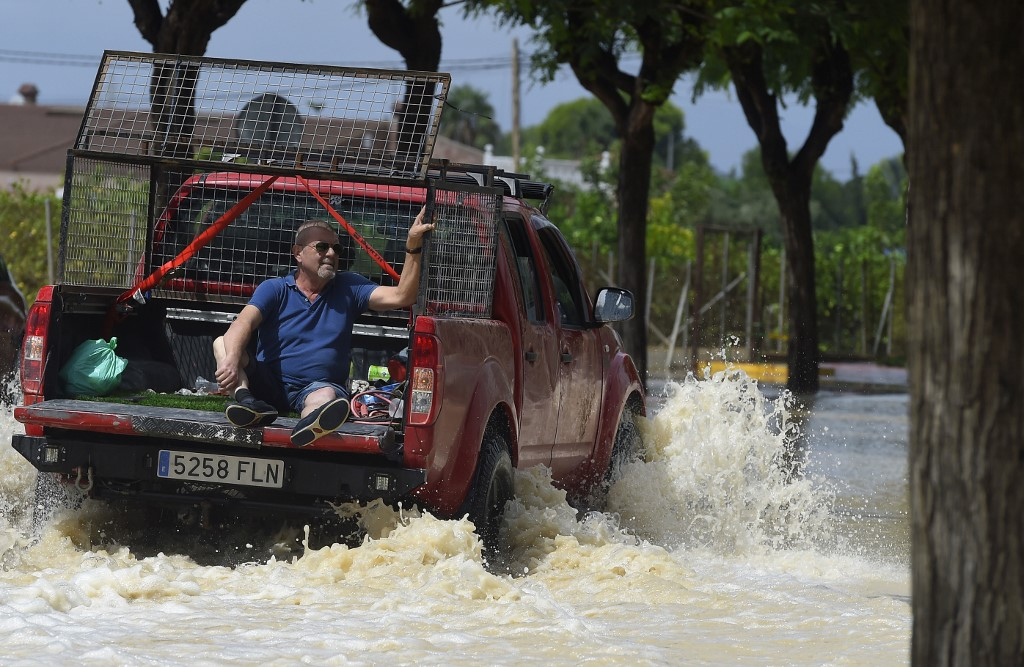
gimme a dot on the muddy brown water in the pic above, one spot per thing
(712, 552)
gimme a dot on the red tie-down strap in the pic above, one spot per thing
(153, 279)
(376, 256)
(200, 241)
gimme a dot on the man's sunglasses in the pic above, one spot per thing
(323, 246)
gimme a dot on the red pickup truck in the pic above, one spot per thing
(505, 362)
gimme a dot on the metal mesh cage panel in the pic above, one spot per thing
(258, 244)
(104, 233)
(193, 356)
(328, 119)
(462, 256)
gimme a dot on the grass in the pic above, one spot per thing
(208, 403)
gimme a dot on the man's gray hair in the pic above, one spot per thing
(301, 236)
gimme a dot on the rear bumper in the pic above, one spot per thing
(127, 466)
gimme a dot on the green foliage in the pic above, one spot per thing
(586, 216)
(853, 267)
(746, 199)
(577, 129)
(676, 212)
(584, 128)
(468, 117)
(23, 236)
(789, 31)
(106, 225)
(885, 191)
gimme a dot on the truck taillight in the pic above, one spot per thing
(425, 383)
(33, 351)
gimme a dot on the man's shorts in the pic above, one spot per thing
(265, 385)
(297, 395)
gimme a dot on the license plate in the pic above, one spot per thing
(220, 469)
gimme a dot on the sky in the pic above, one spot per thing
(56, 44)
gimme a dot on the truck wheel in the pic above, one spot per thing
(627, 447)
(493, 487)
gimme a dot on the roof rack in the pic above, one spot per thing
(513, 184)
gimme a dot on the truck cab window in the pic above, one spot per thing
(525, 268)
(564, 278)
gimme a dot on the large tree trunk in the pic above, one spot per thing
(185, 30)
(790, 179)
(634, 191)
(416, 34)
(794, 198)
(966, 314)
(188, 25)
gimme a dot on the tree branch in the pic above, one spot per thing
(832, 82)
(597, 70)
(148, 19)
(759, 106)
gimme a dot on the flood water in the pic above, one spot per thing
(756, 532)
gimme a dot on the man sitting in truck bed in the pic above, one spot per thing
(303, 324)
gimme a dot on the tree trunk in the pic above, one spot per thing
(794, 197)
(185, 30)
(415, 33)
(790, 180)
(634, 190)
(188, 25)
(966, 315)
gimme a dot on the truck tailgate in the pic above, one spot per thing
(197, 426)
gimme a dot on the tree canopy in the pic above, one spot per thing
(593, 38)
(469, 118)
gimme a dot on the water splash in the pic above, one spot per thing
(17, 482)
(721, 472)
(703, 558)
(718, 474)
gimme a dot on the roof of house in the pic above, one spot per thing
(34, 140)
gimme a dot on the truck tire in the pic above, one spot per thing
(493, 487)
(627, 447)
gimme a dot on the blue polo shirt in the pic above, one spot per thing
(303, 341)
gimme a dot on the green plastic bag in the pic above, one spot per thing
(93, 369)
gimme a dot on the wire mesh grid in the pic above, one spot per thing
(157, 193)
(329, 119)
(462, 258)
(104, 228)
(106, 235)
(258, 243)
(193, 356)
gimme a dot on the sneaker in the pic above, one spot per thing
(320, 422)
(250, 412)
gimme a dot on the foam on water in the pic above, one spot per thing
(721, 472)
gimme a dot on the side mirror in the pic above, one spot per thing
(613, 305)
